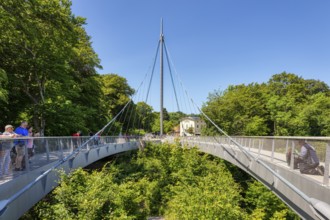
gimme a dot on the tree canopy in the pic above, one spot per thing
(161, 180)
(286, 105)
(48, 70)
(48, 59)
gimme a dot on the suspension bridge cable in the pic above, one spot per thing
(136, 114)
(182, 86)
(169, 67)
(249, 155)
(130, 116)
(136, 92)
(140, 119)
(152, 72)
(133, 110)
(124, 122)
(122, 119)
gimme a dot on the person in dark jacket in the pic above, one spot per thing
(308, 161)
(20, 145)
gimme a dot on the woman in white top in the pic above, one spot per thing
(5, 149)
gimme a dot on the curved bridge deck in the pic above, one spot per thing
(20, 190)
(265, 160)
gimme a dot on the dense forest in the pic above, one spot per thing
(161, 180)
(287, 105)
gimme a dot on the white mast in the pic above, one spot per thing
(161, 77)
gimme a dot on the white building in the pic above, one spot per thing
(193, 124)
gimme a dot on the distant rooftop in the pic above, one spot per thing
(194, 118)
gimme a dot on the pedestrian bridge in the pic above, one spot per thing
(261, 157)
(21, 190)
(264, 158)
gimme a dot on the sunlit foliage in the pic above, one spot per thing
(287, 105)
(162, 180)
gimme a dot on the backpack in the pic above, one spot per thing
(311, 155)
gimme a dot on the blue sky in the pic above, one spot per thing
(213, 43)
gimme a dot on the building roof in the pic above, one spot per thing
(191, 118)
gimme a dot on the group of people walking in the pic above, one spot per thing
(12, 152)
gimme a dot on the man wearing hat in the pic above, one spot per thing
(5, 149)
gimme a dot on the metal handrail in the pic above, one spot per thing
(61, 160)
(319, 206)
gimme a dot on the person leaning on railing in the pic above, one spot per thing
(5, 149)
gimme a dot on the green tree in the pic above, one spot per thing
(168, 127)
(176, 117)
(115, 95)
(116, 92)
(3, 83)
(313, 119)
(166, 116)
(3, 97)
(262, 201)
(284, 106)
(239, 110)
(289, 95)
(162, 180)
(48, 58)
(156, 123)
(38, 47)
(145, 116)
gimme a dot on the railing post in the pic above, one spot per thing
(88, 145)
(47, 149)
(286, 146)
(326, 165)
(252, 144)
(250, 141)
(71, 143)
(61, 148)
(26, 158)
(273, 149)
(259, 150)
(292, 155)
